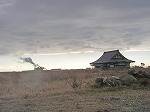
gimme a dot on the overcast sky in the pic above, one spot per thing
(50, 26)
(63, 26)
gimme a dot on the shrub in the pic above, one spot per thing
(75, 82)
(128, 80)
(144, 82)
(131, 72)
(98, 83)
(99, 80)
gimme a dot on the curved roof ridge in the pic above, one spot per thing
(107, 56)
(112, 51)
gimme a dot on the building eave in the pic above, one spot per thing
(107, 57)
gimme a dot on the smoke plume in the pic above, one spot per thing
(29, 60)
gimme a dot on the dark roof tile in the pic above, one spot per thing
(107, 56)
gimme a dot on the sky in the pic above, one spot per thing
(72, 33)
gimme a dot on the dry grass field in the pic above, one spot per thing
(53, 91)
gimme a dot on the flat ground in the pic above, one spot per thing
(52, 92)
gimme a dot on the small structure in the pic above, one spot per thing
(39, 68)
(112, 60)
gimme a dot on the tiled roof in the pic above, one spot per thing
(107, 56)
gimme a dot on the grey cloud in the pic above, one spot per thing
(4, 50)
(49, 26)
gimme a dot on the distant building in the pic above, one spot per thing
(112, 60)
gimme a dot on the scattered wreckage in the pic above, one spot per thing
(133, 77)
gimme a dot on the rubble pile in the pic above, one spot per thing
(133, 77)
(107, 82)
(142, 77)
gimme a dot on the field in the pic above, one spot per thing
(53, 91)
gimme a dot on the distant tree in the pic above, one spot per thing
(142, 64)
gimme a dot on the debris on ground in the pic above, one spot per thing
(133, 77)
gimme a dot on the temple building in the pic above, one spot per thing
(112, 60)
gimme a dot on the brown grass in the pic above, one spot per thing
(39, 83)
(52, 91)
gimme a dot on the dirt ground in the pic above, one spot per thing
(51, 92)
(126, 100)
